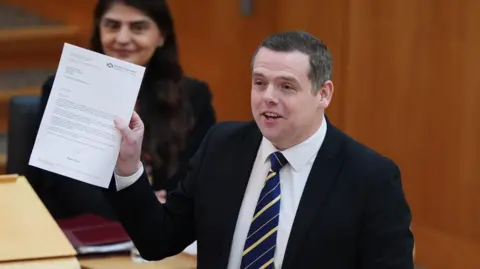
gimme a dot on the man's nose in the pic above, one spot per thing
(269, 94)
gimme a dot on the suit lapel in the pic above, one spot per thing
(244, 155)
(324, 171)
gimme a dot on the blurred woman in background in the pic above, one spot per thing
(177, 110)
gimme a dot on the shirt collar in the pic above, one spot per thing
(298, 155)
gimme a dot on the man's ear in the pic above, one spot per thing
(325, 94)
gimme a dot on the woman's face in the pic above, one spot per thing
(129, 34)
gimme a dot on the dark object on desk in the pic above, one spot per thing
(93, 234)
(22, 121)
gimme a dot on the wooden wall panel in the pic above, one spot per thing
(77, 13)
(405, 74)
(328, 21)
(216, 45)
(17, 52)
(413, 94)
(74, 26)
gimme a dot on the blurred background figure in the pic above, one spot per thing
(178, 109)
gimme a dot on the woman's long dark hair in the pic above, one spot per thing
(163, 105)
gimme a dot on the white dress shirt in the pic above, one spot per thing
(293, 177)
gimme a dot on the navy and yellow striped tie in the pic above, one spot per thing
(259, 250)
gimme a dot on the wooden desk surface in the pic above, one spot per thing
(180, 261)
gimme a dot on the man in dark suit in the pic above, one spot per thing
(288, 190)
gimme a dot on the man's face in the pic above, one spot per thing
(283, 103)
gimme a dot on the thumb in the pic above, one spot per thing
(125, 131)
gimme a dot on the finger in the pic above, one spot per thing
(162, 193)
(123, 128)
(161, 196)
(136, 122)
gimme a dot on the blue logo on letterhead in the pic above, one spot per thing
(121, 68)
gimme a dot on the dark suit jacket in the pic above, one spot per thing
(67, 197)
(352, 214)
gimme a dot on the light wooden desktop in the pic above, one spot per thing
(180, 261)
(23, 241)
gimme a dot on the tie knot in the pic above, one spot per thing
(277, 161)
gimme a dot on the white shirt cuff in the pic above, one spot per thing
(123, 182)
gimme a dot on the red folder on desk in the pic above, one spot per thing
(92, 230)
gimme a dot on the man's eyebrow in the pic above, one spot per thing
(283, 77)
(289, 78)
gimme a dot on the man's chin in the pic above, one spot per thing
(271, 134)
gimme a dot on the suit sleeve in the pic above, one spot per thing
(386, 239)
(159, 230)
